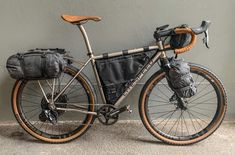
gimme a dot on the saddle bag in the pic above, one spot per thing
(37, 64)
(180, 79)
(117, 73)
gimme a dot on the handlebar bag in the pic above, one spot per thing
(36, 64)
(180, 79)
(117, 73)
(180, 40)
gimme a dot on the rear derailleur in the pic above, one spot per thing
(109, 114)
(50, 114)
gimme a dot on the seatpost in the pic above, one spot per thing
(84, 34)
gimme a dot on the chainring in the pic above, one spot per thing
(103, 115)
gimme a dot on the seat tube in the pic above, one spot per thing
(90, 54)
(87, 42)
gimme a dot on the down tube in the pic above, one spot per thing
(138, 78)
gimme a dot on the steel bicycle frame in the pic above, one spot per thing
(92, 58)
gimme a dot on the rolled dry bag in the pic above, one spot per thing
(36, 64)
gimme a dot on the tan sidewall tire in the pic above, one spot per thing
(26, 128)
(216, 124)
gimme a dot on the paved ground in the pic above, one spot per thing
(126, 138)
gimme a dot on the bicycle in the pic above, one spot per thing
(73, 103)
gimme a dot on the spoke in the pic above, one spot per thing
(30, 102)
(162, 115)
(33, 90)
(210, 103)
(160, 97)
(31, 110)
(176, 127)
(166, 87)
(62, 78)
(49, 84)
(202, 102)
(202, 89)
(77, 96)
(198, 118)
(41, 125)
(196, 78)
(52, 129)
(33, 95)
(191, 121)
(35, 122)
(31, 106)
(181, 125)
(201, 96)
(168, 114)
(158, 101)
(46, 128)
(72, 86)
(168, 120)
(174, 124)
(58, 126)
(200, 82)
(200, 113)
(163, 93)
(161, 112)
(195, 119)
(202, 108)
(185, 124)
(159, 105)
(34, 114)
(76, 90)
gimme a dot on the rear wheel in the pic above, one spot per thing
(30, 107)
(203, 114)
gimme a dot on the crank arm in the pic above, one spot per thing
(120, 110)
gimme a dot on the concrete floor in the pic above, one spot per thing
(120, 139)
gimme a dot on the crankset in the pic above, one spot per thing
(104, 117)
(108, 114)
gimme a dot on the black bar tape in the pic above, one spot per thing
(146, 48)
(105, 55)
(124, 52)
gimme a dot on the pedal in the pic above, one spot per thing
(128, 109)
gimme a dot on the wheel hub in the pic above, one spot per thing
(47, 112)
(178, 102)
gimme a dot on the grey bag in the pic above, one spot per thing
(180, 79)
(36, 64)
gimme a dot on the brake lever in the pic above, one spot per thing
(206, 38)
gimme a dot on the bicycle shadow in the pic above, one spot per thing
(15, 132)
(128, 132)
(117, 132)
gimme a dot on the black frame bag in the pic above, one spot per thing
(117, 73)
(36, 64)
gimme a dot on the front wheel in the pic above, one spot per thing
(203, 114)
